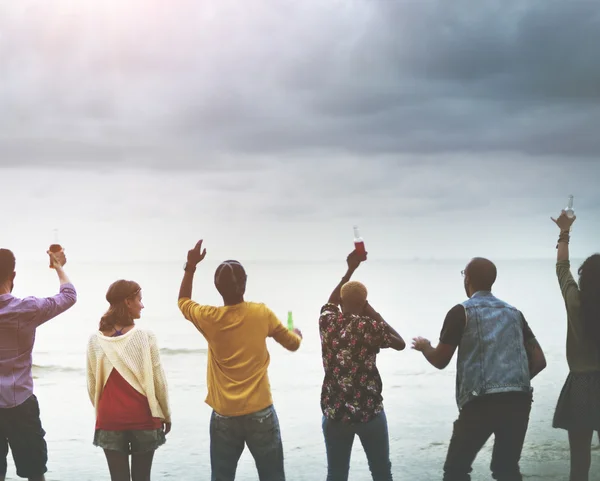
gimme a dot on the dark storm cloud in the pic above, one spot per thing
(191, 84)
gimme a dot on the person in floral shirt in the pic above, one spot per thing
(351, 398)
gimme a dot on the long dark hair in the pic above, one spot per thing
(589, 295)
(118, 313)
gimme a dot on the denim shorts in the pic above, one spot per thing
(130, 442)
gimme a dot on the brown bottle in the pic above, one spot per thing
(55, 248)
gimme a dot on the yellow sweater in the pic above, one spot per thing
(238, 358)
(136, 357)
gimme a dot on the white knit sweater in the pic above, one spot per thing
(136, 357)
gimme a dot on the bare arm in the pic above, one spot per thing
(335, 297)
(536, 357)
(439, 356)
(397, 342)
(62, 276)
(194, 257)
(187, 283)
(353, 262)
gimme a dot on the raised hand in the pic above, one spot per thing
(564, 222)
(354, 259)
(196, 255)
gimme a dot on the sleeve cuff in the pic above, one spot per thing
(182, 301)
(330, 307)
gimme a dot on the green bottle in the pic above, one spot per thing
(290, 321)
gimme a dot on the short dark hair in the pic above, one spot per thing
(230, 279)
(482, 274)
(7, 264)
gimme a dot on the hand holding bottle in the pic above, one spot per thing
(57, 257)
(354, 259)
(564, 222)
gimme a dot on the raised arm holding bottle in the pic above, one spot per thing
(20, 424)
(578, 406)
(351, 399)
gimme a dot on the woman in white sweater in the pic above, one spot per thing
(127, 386)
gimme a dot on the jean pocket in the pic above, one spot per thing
(263, 423)
(220, 424)
(263, 435)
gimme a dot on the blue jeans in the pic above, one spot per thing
(260, 431)
(339, 437)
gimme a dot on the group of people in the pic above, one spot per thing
(498, 356)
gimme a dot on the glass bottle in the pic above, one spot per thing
(570, 213)
(359, 243)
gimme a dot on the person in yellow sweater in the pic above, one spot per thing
(127, 386)
(238, 385)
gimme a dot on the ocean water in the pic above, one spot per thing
(419, 400)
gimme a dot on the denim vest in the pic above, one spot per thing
(491, 354)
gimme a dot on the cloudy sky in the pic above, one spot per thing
(270, 127)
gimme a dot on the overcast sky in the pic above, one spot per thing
(270, 127)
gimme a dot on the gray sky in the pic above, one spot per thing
(270, 127)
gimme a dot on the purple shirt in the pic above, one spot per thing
(19, 318)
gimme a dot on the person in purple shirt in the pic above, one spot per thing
(20, 424)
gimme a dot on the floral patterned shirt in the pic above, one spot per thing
(352, 386)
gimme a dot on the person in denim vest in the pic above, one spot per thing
(351, 399)
(578, 406)
(498, 355)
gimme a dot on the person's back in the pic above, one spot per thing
(127, 386)
(498, 355)
(20, 424)
(19, 319)
(237, 379)
(578, 407)
(351, 394)
(491, 353)
(238, 358)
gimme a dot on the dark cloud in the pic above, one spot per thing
(101, 83)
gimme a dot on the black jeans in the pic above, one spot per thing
(506, 416)
(21, 429)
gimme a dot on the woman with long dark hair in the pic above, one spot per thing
(127, 386)
(578, 407)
